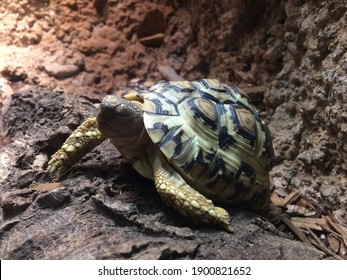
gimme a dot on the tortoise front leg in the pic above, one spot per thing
(82, 140)
(183, 198)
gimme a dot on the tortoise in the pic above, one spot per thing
(198, 140)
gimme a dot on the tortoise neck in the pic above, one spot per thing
(133, 147)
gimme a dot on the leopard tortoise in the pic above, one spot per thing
(199, 141)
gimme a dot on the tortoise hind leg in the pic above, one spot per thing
(82, 140)
(183, 198)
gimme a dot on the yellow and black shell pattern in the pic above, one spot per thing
(214, 138)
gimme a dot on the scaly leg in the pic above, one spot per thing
(82, 140)
(184, 199)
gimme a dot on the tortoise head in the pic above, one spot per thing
(120, 120)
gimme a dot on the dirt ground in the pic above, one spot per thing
(289, 56)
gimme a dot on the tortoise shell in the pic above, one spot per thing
(213, 137)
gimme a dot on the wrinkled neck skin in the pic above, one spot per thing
(133, 148)
(139, 151)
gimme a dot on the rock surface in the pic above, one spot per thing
(103, 210)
